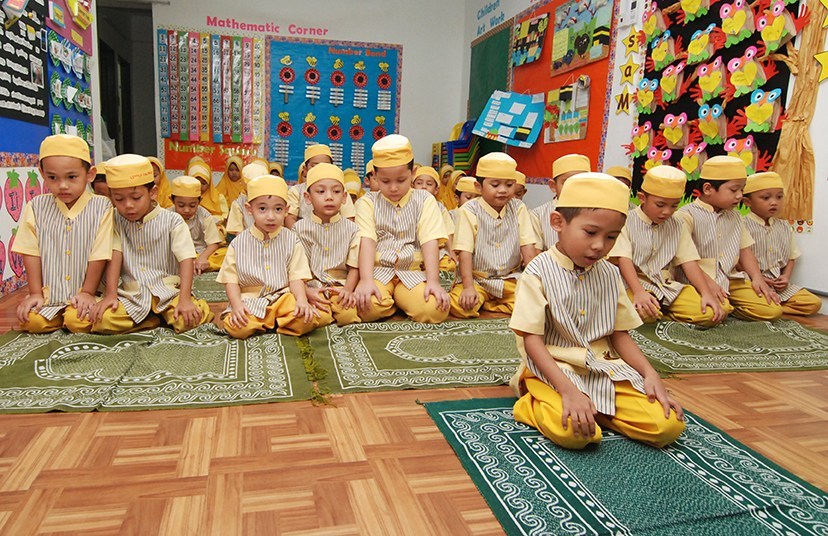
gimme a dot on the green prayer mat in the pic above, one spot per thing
(733, 346)
(411, 355)
(154, 369)
(205, 288)
(705, 483)
(447, 280)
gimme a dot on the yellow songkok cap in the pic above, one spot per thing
(65, 145)
(723, 168)
(100, 168)
(353, 184)
(201, 170)
(763, 181)
(497, 166)
(468, 185)
(570, 162)
(316, 150)
(520, 178)
(665, 181)
(429, 171)
(444, 168)
(594, 190)
(277, 166)
(369, 167)
(252, 170)
(128, 171)
(185, 186)
(325, 171)
(392, 150)
(261, 161)
(267, 185)
(620, 171)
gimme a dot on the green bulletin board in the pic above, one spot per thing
(490, 55)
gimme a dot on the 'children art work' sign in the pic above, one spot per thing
(511, 118)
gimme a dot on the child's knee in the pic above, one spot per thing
(74, 323)
(667, 431)
(242, 332)
(37, 323)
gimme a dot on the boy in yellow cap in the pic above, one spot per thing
(466, 189)
(332, 245)
(265, 270)
(562, 168)
(494, 239)
(276, 169)
(723, 242)
(400, 230)
(426, 178)
(239, 218)
(65, 239)
(298, 206)
(99, 184)
(580, 369)
(153, 257)
(370, 183)
(520, 186)
(624, 175)
(775, 247)
(186, 197)
(231, 185)
(651, 244)
(353, 185)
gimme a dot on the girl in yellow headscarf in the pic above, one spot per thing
(214, 202)
(445, 193)
(191, 162)
(231, 184)
(163, 183)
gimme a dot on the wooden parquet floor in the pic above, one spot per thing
(366, 464)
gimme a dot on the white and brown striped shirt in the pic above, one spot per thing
(719, 238)
(548, 237)
(331, 248)
(576, 311)
(152, 250)
(297, 206)
(494, 240)
(66, 240)
(775, 246)
(654, 250)
(264, 266)
(203, 229)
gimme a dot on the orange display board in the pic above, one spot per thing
(177, 153)
(534, 77)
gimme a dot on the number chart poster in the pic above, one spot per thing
(342, 94)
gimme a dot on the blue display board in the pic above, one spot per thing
(343, 94)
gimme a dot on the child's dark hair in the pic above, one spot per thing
(100, 177)
(172, 198)
(308, 160)
(713, 183)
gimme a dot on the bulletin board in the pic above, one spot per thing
(339, 93)
(211, 91)
(712, 85)
(534, 78)
(70, 92)
(490, 66)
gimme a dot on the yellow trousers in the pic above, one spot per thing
(68, 318)
(412, 302)
(635, 417)
(802, 303)
(685, 308)
(343, 316)
(279, 315)
(485, 301)
(217, 258)
(119, 321)
(748, 305)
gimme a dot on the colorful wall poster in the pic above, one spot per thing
(72, 20)
(529, 36)
(343, 94)
(70, 93)
(511, 118)
(581, 34)
(23, 85)
(567, 112)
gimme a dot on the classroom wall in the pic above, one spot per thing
(427, 30)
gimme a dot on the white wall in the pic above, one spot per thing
(430, 32)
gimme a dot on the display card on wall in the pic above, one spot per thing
(529, 36)
(70, 95)
(567, 112)
(342, 94)
(511, 118)
(711, 85)
(23, 85)
(581, 34)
